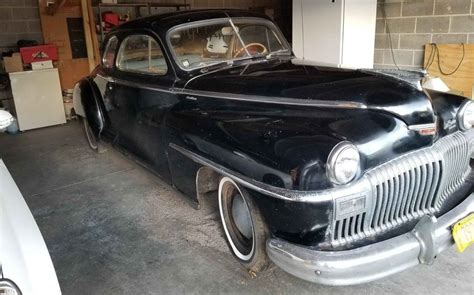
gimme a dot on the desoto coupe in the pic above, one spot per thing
(338, 176)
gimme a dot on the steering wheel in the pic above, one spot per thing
(264, 49)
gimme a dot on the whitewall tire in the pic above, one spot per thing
(92, 140)
(244, 228)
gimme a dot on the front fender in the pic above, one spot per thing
(286, 148)
(446, 106)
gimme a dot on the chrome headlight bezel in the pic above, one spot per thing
(6, 284)
(466, 115)
(342, 149)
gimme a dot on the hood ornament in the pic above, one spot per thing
(424, 129)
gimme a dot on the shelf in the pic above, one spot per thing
(137, 6)
(151, 4)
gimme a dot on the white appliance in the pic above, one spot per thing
(337, 33)
(38, 98)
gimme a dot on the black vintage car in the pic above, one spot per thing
(338, 176)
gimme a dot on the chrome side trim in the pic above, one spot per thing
(372, 262)
(276, 100)
(280, 193)
(141, 86)
(240, 97)
(358, 188)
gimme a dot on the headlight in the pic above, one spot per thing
(466, 115)
(343, 163)
(7, 287)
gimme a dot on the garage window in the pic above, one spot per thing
(109, 53)
(141, 54)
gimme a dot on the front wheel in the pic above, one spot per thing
(94, 142)
(243, 225)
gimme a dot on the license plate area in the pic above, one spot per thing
(463, 232)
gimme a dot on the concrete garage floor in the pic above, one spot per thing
(114, 228)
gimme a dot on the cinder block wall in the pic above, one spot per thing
(19, 19)
(413, 23)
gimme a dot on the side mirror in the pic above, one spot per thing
(6, 119)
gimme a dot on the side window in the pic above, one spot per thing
(109, 53)
(141, 54)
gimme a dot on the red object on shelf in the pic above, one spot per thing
(110, 19)
(39, 53)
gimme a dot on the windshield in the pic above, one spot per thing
(224, 41)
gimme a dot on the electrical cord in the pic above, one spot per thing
(431, 57)
(384, 16)
(435, 54)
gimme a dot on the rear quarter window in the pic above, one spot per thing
(109, 53)
(141, 54)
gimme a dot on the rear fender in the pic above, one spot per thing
(88, 104)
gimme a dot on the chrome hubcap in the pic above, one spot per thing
(241, 215)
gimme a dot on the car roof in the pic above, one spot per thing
(165, 21)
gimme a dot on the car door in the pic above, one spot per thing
(140, 98)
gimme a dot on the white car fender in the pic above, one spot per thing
(24, 257)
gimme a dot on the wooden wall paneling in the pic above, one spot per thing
(55, 31)
(449, 57)
(71, 71)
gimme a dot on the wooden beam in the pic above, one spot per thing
(52, 9)
(93, 29)
(88, 35)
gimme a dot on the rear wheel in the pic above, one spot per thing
(243, 225)
(94, 142)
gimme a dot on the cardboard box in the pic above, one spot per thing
(13, 63)
(39, 65)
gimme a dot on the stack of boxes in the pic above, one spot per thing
(39, 57)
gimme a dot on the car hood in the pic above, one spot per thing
(283, 78)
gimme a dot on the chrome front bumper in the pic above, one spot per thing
(420, 246)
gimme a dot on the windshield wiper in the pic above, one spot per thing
(231, 62)
(210, 66)
(268, 56)
(238, 35)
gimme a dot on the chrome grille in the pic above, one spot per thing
(455, 151)
(408, 187)
(405, 190)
